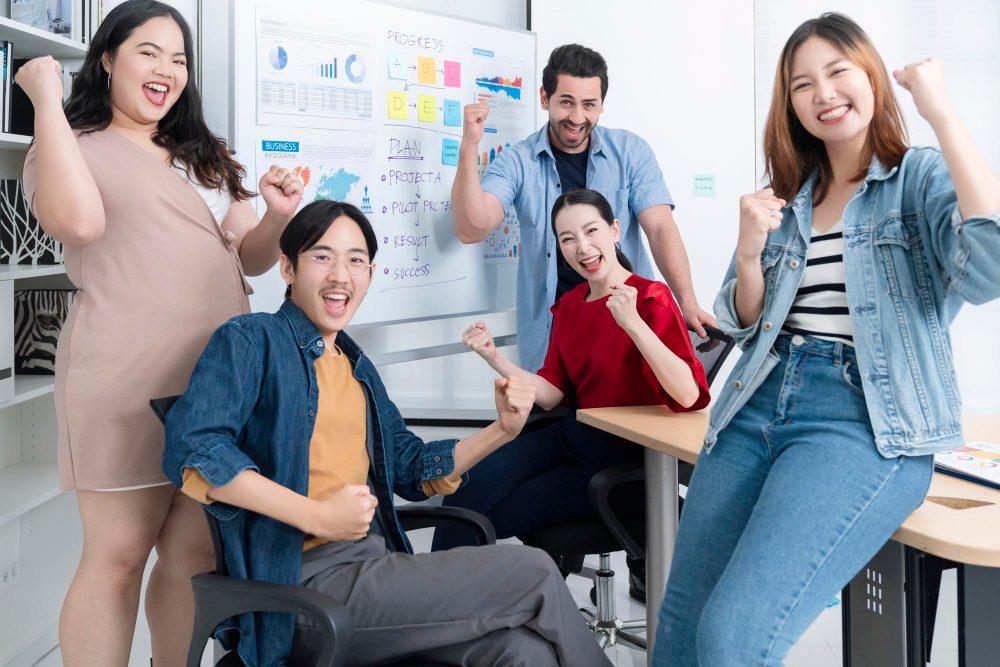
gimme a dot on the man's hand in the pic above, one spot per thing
(473, 122)
(514, 398)
(344, 515)
(696, 319)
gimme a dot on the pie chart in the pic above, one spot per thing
(355, 68)
(278, 57)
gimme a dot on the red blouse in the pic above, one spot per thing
(592, 359)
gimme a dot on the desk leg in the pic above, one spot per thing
(661, 532)
(978, 611)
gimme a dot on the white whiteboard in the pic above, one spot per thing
(364, 100)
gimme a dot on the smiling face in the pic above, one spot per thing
(574, 109)
(324, 284)
(831, 95)
(587, 241)
(148, 72)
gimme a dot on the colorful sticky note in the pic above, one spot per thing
(397, 105)
(397, 66)
(449, 152)
(426, 108)
(452, 74)
(453, 113)
(426, 70)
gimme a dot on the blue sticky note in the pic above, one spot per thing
(449, 152)
(452, 113)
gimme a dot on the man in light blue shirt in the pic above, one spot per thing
(569, 152)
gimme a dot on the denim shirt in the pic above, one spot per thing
(622, 167)
(251, 405)
(910, 261)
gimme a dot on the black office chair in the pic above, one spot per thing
(614, 493)
(218, 597)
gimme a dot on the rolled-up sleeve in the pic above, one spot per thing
(725, 311)
(204, 426)
(647, 187)
(503, 179)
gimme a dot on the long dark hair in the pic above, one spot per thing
(183, 131)
(597, 200)
(307, 227)
(790, 152)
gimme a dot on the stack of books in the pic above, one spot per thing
(17, 115)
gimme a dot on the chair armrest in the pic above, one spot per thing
(218, 598)
(414, 517)
(599, 491)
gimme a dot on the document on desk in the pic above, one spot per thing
(975, 461)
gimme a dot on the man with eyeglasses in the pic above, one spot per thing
(288, 437)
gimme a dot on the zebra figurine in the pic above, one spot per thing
(38, 317)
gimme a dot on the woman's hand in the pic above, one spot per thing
(621, 303)
(344, 515)
(760, 214)
(479, 339)
(925, 82)
(41, 80)
(282, 191)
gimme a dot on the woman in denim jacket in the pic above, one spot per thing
(846, 276)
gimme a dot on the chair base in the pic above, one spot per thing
(602, 618)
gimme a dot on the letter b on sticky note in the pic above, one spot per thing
(426, 70)
(426, 109)
(397, 105)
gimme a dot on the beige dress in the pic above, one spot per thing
(153, 288)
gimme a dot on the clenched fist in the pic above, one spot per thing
(474, 121)
(514, 398)
(760, 214)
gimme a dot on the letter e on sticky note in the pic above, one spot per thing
(427, 108)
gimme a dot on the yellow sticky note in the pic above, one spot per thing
(397, 105)
(426, 70)
(427, 108)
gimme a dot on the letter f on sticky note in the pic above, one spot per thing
(397, 105)
(427, 108)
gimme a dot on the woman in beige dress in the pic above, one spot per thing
(158, 230)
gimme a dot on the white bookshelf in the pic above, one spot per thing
(14, 142)
(24, 486)
(21, 271)
(29, 619)
(30, 42)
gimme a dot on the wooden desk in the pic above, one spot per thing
(959, 521)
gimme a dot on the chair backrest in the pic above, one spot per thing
(161, 406)
(712, 350)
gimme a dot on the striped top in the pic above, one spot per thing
(820, 307)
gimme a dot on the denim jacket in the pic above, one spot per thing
(251, 404)
(910, 261)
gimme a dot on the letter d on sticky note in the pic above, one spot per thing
(427, 108)
(397, 105)
(449, 152)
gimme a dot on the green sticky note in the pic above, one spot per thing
(704, 185)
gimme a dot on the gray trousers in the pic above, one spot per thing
(491, 606)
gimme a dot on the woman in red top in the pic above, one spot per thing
(617, 339)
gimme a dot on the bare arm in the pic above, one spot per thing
(258, 240)
(476, 213)
(671, 259)
(66, 202)
(344, 515)
(479, 339)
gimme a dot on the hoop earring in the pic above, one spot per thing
(109, 82)
(618, 246)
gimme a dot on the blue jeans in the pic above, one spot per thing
(539, 479)
(790, 504)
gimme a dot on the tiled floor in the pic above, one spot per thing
(820, 646)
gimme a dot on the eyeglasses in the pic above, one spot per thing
(355, 265)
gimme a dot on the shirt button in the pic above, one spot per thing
(312, 413)
(319, 343)
(439, 471)
(768, 326)
(548, 254)
(794, 264)
(798, 340)
(737, 385)
(436, 459)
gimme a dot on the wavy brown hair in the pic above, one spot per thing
(791, 154)
(183, 131)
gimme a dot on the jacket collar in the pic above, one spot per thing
(306, 334)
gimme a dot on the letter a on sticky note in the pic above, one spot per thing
(453, 113)
(397, 68)
(397, 105)
(426, 70)
(449, 152)
(452, 74)
(427, 108)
